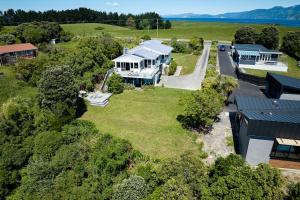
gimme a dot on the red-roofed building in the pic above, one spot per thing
(9, 53)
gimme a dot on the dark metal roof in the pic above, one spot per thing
(270, 117)
(286, 81)
(274, 116)
(253, 47)
(247, 103)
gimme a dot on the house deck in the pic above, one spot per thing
(286, 164)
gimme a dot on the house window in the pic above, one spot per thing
(149, 62)
(118, 65)
(153, 62)
(136, 65)
(131, 65)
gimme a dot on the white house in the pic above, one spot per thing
(143, 64)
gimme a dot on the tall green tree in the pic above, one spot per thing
(115, 84)
(291, 44)
(269, 37)
(201, 109)
(245, 35)
(17, 129)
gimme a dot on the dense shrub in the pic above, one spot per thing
(146, 37)
(294, 191)
(246, 35)
(172, 68)
(115, 84)
(7, 39)
(291, 44)
(133, 188)
(269, 37)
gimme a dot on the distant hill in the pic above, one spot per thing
(289, 13)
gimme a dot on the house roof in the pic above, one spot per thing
(247, 48)
(157, 46)
(17, 47)
(270, 117)
(128, 58)
(269, 109)
(286, 81)
(144, 52)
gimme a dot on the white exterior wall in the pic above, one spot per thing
(281, 67)
(295, 97)
(259, 151)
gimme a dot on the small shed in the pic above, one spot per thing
(282, 87)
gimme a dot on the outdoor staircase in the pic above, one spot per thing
(100, 104)
(104, 87)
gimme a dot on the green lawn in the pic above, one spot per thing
(187, 61)
(293, 69)
(207, 30)
(11, 87)
(147, 119)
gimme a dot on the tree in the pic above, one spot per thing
(115, 84)
(245, 35)
(17, 129)
(168, 24)
(57, 85)
(58, 93)
(196, 44)
(131, 22)
(133, 188)
(291, 44)
(201, 109)
(7, 39)
(294, 191)
(269, 37)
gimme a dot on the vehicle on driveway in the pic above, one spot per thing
(222, 48)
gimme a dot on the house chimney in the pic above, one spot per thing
(125, 50)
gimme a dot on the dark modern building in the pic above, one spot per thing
(282, 87)
(268, 130)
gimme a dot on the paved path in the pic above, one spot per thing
(227, 68)
(215, 143)
(178, 70)
(191, 81)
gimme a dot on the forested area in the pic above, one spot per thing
(84, 15)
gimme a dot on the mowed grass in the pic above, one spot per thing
(182, 29)
(148, 120)
(11, 87)
(186, 61)
(293, 69)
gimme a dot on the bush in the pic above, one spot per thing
(7, 39)
(133, 188)
(128, 86)
(201, 109)
(291, 44)
(99, 28)
(172, 68)
(179, 47)
(146, 37)
(246, 35)
(115, 84)
(294, 192)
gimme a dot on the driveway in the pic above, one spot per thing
(227, 68)
(191, 81)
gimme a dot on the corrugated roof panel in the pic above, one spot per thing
(286, 81)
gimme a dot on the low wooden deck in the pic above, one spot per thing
(285, 164)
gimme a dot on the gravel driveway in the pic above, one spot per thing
(191, 81)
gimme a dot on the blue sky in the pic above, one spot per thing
(138, 6)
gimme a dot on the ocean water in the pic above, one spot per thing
(293, 23)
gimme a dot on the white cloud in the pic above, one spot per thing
(114, 4)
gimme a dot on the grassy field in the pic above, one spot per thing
(207, 30)
(147, 119)
(187, 61)
(293, 69)
(11, 87)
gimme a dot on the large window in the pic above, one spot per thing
(118, 65)
(136, 65)
(285, 151)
